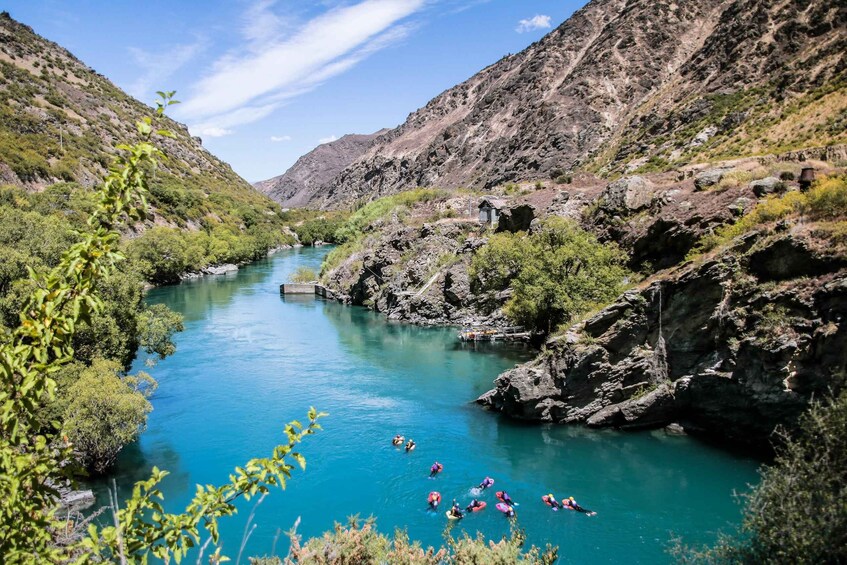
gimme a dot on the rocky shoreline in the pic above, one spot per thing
(729, 346)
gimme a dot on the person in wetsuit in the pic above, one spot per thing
(474, 504)
(435, 469)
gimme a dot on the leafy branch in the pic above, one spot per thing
(142, 526)
(33, 464)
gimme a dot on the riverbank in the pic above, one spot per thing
(750, 323)
(250, 360)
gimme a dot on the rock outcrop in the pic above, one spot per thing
(418, 275)
(730, 347)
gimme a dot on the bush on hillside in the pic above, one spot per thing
(825, 201)
(369, 213)
(163, 254)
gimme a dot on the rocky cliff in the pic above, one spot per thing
(730, 345)
(298, 186)
(624, 85)
(415, 268)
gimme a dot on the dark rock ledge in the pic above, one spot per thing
(731, 348)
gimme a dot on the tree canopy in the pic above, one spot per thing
(556, 272)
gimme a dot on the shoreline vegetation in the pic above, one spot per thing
(34, 458)
(75, 255)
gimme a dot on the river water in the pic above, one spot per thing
(250, 360)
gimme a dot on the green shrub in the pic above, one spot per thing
(304, 275)
(495, 265)
(339, 254)
(360, 542)
(318, 229)
(733, 179)
(827, 199)
(557, 273)
(163, 254)
(798, 513)
(105, 412)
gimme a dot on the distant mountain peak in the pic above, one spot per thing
(298, 185)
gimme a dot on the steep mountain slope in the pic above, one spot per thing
(60, 121)
(298, 185)
(625, 85)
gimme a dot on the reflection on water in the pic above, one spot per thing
(251, 360)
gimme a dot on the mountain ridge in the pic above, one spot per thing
(312, 170)
(623, 86)
(61, 120)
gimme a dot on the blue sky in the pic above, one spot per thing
(265, 81)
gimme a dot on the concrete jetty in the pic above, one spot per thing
(308, 289)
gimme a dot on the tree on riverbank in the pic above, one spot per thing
(556, 272)
(798, 513)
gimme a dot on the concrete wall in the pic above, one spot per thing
(292, 288)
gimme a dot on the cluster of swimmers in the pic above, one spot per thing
(505, 505)
(567, 504)
(456, 513)
(398, 440)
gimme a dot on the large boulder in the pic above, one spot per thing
(457, 286)
(709, 178)
(516, 218)
(628, 194)
(665, 243)
(767, 185)
(788, 258)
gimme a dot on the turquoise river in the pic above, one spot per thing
(250, 360)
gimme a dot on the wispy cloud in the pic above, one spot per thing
(157, 68)
(329, 139)
(535, 22)
(278, 138)
(246, 86)
(260, 24)
(212, 131)
(459, 6)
